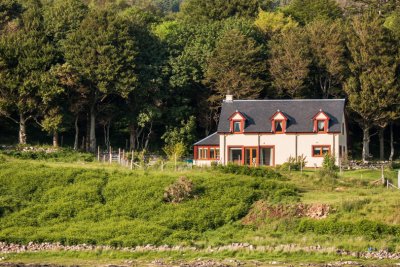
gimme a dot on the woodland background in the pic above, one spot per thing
(146, 74)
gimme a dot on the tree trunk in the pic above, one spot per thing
(22, 130)
(55, 139)
(92, 134)
(132, 137)
(87, 138)
(391, 143)
(76, 142)
(366, 140)
(381, 144)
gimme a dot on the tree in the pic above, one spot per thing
(271, 23)
(326, 42)
(9, 10)
(25, 57)
(289, 63)
(237, 65)
(371, 87)
(62, 17)
(203, 10)
(144, 104)
(184, 134)
(103, 51)
(305, 11)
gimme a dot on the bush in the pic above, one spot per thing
(250, 171)
(329, 170)
(57, 155)
(179, 191)
(294, 164)
(354, 205)
(365, 228)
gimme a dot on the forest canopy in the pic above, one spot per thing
(134, 73)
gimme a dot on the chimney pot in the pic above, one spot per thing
(229, 98)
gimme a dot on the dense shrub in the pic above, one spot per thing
(59, 155)
(180, 190)
(294, 164)
(366, 228)
(250, 171)
(119, 208)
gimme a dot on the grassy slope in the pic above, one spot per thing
(92, 203)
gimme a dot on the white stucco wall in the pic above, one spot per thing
(284, 145)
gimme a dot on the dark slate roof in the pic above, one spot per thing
(211, 140)
(299, 113)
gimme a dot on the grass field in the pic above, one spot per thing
(80, 201)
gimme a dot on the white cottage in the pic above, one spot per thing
(268, 132)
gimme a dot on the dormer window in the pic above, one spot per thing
(237, 127)
(321, 122)
(278, 126)
(279, 122)
(237, 122)
(321, 126)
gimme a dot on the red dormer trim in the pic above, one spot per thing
(326, 122)
(274, 119)
(242, 121)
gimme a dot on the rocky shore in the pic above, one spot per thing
(6, 248)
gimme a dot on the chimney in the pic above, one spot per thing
(229, 97)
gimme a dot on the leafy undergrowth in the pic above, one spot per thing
(42, 203)
(48, 154)
(47, 201)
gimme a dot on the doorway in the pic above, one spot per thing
(250, 156)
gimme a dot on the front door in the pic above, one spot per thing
(250, 156)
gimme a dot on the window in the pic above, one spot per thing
(203, 153)
(214, 153)
(278, 126)
(320, 151)
(237, 127)
(321, 125)
(235, 155)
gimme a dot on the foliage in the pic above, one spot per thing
(179, 140)
(59, 155)
(250, 171)
(294, 164)
(306, 11)
(73, 205)
(289, 63)
(372, 88)
(203, 10)
(182, 189)
(367, 228)
(271, 23)
(237, 65)
(175, 151)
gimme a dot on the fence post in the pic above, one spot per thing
(119, 155)
(398, 180)
(382, 175)
(98, 153)
(132, 160)
(301, 167)
(110, 155)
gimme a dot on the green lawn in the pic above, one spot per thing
(87, 202)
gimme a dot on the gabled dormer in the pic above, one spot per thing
(237, 122)
(321, 122)
(279, 122)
